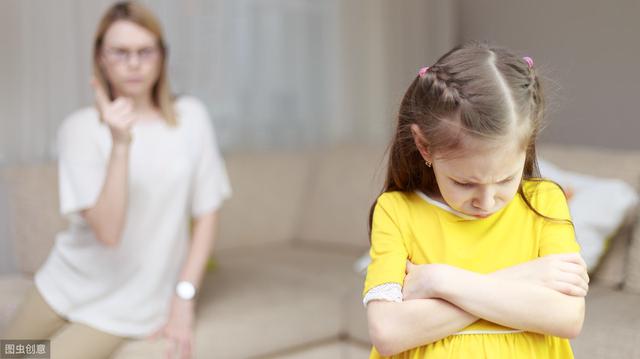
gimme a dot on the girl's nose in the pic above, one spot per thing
(485, 200)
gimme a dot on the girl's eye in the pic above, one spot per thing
(468, 185)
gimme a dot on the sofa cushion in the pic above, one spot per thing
(612, 325)
(601, 162)
(612, 269)
(632, 280)
(609, 163)
(264, 186)
(12, 290)
(279, 296)
(333, 350)
(357, 327)
(267, 194)
(32, 206)
(265, 299)
(600, 208)
(142, 349)
(345, 182)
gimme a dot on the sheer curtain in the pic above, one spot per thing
(264, 68)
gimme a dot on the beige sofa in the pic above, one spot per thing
(284, 284)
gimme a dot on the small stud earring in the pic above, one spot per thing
(427, 163)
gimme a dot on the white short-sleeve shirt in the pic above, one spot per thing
(175, 173)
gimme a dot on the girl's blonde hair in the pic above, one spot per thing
(134, 12)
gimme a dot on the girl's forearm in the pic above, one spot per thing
(107, 217)
(512, 303)
(397, 327)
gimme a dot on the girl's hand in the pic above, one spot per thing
(118, 115)
(565, 273)
(178, 330)
(421, 281)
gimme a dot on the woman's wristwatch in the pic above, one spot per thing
(185, 290)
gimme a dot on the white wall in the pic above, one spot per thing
(588, 48)
(383, 45)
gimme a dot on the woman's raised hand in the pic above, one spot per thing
(118, 115)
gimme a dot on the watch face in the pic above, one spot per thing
(185, 290)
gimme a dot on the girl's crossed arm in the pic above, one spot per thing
(544, 295)
(396, 327)
(517, 302)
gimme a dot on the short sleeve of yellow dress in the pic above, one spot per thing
(415, 227)
(557, 234)
(388, 252)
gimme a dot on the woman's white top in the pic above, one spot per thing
(175, 174)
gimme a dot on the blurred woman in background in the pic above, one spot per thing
(133, 172)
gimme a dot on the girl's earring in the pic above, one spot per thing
(427, 163)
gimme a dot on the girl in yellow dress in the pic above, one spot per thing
(473, 254)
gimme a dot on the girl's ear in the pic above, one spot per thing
(419, 140)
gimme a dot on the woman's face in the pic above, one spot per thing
(130, 58)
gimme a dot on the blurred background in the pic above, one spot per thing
(291, 74)
(274, 74)
(288, 76)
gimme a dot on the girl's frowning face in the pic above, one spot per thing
(481, 179)
(481, 182)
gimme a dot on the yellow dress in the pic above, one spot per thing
(413, 226)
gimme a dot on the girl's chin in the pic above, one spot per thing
(478, 214)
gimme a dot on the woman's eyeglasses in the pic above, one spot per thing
(122, 55)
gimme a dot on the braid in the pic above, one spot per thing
(536, 97)
(439, 84)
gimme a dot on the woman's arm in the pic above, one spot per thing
(179, 327)
(397, 327)
(107, 217)
(201, 245)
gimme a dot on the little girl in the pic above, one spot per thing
(473, 255)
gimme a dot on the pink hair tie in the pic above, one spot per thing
(423, 71)
(529, 61)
